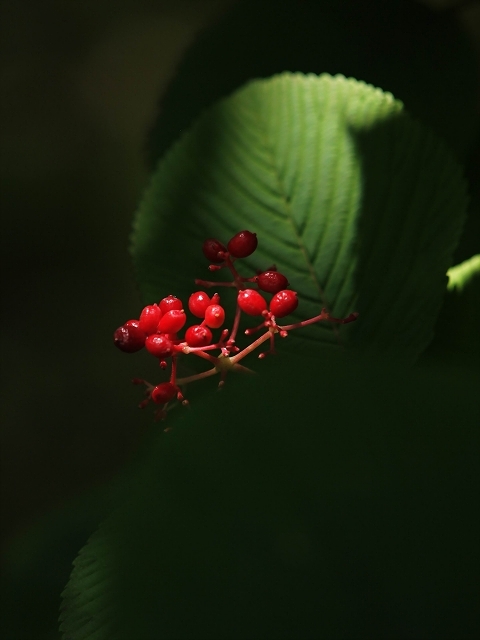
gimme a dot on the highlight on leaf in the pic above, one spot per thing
(360, 204)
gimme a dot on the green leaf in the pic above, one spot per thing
(464, 275)
(457, 335)
(338, 503)
(357, 204)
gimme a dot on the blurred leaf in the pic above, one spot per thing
(325, 499)
(457, 335)
(355, 202)
(36, 565)
(464, 275)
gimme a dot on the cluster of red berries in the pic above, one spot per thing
(159, 324)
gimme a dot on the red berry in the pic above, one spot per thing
(159, 345)
(214, 316)
(129, 337)
(271, 281)
(242, 244)
(149, 318)
(172, 321)
(251, 302)
(198, 336)
(211, 248)
(198, 302)
(163, 393)
(169, 303)
(283, 303)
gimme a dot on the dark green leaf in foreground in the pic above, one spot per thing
(358, 204)
(338, 502)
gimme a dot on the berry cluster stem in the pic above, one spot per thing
(251, 347)
(324, 315)
(173, 373)
(236, 324)
(158, 325)
(197, 376)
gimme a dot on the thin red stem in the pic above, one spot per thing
(251, 347)
(250, 330)
(173, 373)
(200, 352)
(197, 376)
(209, 283)
(236, 324)
(233, 271)
(321, 317)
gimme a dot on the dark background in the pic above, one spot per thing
(80, 87)
(81, 83)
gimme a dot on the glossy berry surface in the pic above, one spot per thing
(132, 323)
(163, 393)
(198, 336)
(214, 316)
(251, 302)
(211, 248)
(149, 318)
(159, 345)
(170, 303)
(271, 281)
(129, 337)
(198, 303)
(172, 321)
(162, 327)
(283, 303)
(242, 244)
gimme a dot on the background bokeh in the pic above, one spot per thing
(80, 88)
(80, 84)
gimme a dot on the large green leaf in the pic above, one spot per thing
(359, 205)
(325, 500)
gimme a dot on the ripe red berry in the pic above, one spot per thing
(214, 316)
(251, 302)
(198, 302)
(198, 336)
(149, 318)
(172, 321)
(129, 337)
(271, 281)
(163, 393)
(283, 303)
(169, 303)
(159, 345)
(211, 248)
(242, 244)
